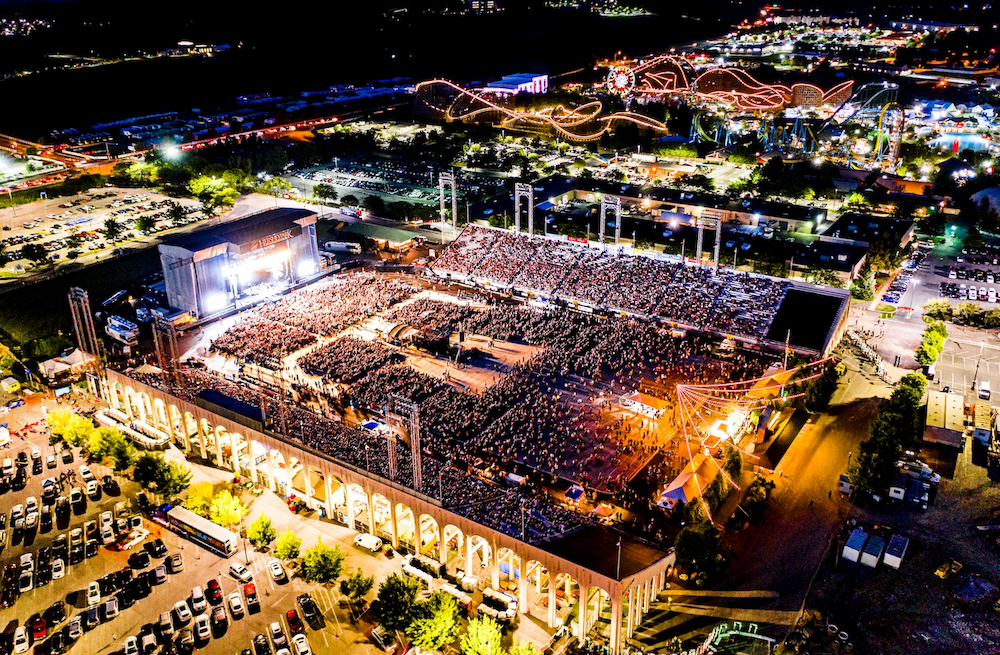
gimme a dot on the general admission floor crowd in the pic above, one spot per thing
(540, 415)
(689, 294)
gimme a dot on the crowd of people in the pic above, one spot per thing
(261, 341)
(486, 503)
(695, 295)
(346, 359)
(271, 331)
(433, 317)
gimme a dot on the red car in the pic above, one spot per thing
(294, 622)
(39, 628)
(213, 592)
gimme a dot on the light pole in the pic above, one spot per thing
(909, 305)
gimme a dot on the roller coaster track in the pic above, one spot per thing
(558, 118)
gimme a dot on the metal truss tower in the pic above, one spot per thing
(83, 323)
(448, 180)
(407, 413)
(615, 205)
(523, 190)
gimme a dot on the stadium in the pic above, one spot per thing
(479, 416)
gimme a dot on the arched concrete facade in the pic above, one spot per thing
(269, 456)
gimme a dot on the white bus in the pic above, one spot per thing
(198, 529)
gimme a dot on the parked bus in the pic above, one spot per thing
(122, 330)
(198, 529)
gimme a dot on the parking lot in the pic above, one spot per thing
(333, 632)
(76, 223)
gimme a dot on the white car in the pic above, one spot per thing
(236, 607)
(31, 520)
(183, 611)
(21, 640)
(301, 645)
(107, 519)
(93, 594)
(16, 512)
(75, 630)
(27, 562)
(277, 570)
(131, 646)
(26, 582)
(58, 568)
(85, 473)
(92, 488)
(198, 601)
(240, 572)
(202, 627)
(135, 537)
(110, 608)
(31, 505)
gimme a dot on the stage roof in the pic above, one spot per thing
(244, 230)
(380, 232)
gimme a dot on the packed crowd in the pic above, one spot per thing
(484, 502)
(261, 341)
(346, 359)
(433, 317)
(271, 331)
(689, 294)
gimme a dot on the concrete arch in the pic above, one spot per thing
(279, 474)
(145, 407)
(405, 528)
(160, 421)
(132, 404)
(117, 394)
(430, 536)
(336, 492)
(478, 556)
(258, 459)
(596, 612)
(357, 499)
(176, 422)
(382, 513)
(454, 541)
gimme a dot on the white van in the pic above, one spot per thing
(368, 542)
(984, 390)
(8, 466)
(4, 437)
(991, 295)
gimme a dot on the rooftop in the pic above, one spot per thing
(243, 231)
(595, 547)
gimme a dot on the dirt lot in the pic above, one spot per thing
(912, 610)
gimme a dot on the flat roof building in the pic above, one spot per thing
(213, 270)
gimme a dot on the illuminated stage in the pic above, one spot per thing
(218, 269)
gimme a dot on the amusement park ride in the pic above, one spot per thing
(712, 417)
(729, 105)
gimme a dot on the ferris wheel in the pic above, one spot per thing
(620, 80)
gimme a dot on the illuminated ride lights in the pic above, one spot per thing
(669, 74)
(570, 123)
(713, 415)
(621, 80)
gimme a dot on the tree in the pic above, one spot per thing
(482, 637)
(261, 533)
(288, 545)
(176, 478)
(937, 309)
(357, 585)
(226, 509)
(325, 191)
(33, 252)
(436, 623)
(112, 229)
(145, 223)
(819, 391)
(966, 313)
(322, 563)
(863, 288)
(69, 427)
(699, 546)
(150, 469)
(524, 648)
(374, 204)
(199, 498)
(73, 241)
(4, 255)
(349, 201)
(931, 343)
(884, 255)
(818, 274)
(176, 214)
(396, 601)
(110, 444)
